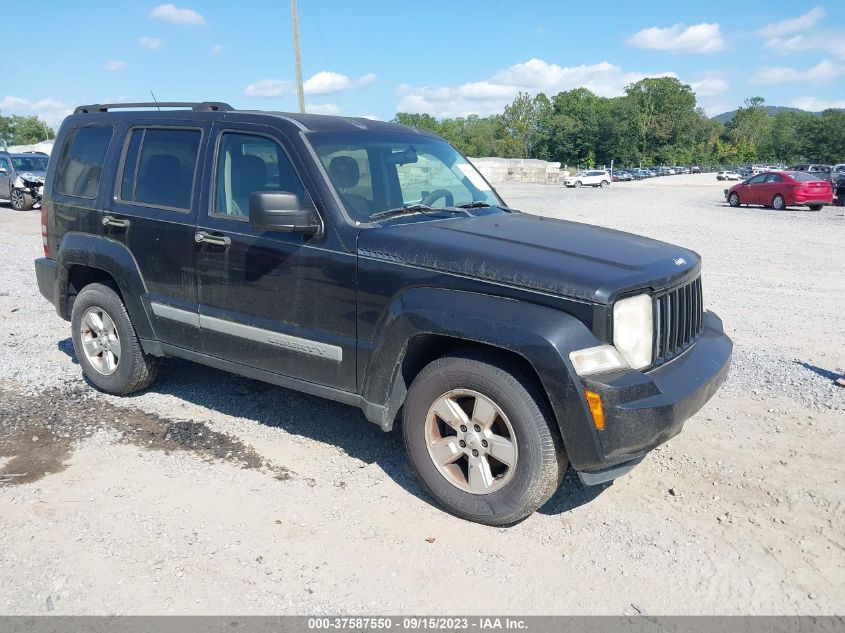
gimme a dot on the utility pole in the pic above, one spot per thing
(300, 93)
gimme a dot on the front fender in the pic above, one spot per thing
(541, 335)
(109, 256)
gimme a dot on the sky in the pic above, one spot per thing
(445, 57)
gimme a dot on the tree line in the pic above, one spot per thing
(656, 122)
(23, 130)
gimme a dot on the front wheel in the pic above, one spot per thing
(778, 203)
(733, 199)
(604, 184)
(21, 200)
(815, 207)
(481, 438)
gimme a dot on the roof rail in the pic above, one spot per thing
(196, 106)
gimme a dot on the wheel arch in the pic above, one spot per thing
(84, 259)
(424, 324)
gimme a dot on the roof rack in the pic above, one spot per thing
(196, 106)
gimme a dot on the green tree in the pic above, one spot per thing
(24, 130)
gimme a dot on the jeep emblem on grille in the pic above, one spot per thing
(679, 261)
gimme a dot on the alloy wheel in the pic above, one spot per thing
(100, 341)
(17, 199)
(471, 441)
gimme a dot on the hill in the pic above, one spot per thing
(770, 110)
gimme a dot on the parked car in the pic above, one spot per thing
(782, 189)
(695, 169)
(728, 175)
(623, 175)
(821, 171)
(256, 242)
(839, 192)
(22, 178)
(593, 178)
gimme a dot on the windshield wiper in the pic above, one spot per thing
(411, 209)
(479, 204)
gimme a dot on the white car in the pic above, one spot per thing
(596, 178)
(728, 175)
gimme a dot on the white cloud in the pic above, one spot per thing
(695, 39)
(491, 95)
(828, 42)
(115, 66)
(268, 88)
(322, 108)
(791, 25)
(709, 86)
(177, 15)
(326, 82)
(50, 110)
(822, 72)
(371, 117)
(814, 104)
(150, 43)
(217, 49)
(369, 78)
(329, 82)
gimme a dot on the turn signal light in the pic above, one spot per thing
(594, 402)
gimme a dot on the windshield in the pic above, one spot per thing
(375, 173)
(30, 163)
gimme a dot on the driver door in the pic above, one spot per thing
(754, 190)
(5, 177)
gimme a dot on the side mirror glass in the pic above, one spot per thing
(280, 211)
(3, 170)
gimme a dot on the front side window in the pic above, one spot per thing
(377, 174)
(757, 179)
(247, 163)
(159, 167)
(81, 162)
(4, 163)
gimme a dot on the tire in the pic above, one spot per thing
(604, 184)
(733, 199)
(21, 200)
(577, 184)
(122, 368)
(521, 412)
(778, 203)
(816, 207)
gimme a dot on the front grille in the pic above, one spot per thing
(679, 317)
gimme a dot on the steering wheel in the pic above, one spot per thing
(436, 195)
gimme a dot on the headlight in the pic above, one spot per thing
(595, 360)
(633, 329)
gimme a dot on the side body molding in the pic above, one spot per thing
(541, 335)
(78, 249)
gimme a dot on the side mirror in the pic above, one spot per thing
(3, 170)
(280, 211)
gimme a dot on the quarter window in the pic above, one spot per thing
(159, 167)
(248, 163)
(81, 162)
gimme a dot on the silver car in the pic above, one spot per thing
(22, 178)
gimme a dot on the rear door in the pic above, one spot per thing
(153, 212)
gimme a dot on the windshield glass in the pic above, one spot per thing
(30, 163)
(378, 172)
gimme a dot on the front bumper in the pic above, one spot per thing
(644, 410)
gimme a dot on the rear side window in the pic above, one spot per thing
(159, 167)
(81, 162)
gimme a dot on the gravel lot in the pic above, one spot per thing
(211, 493)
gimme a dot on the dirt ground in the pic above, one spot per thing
(214, 494)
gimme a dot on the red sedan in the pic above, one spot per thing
(781, 189)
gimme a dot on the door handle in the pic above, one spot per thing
(203, 237)
(115, 222)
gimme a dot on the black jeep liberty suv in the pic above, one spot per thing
(372, 264)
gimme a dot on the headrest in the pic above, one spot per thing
(343, 171)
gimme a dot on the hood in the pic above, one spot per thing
(560, 257)
(37, 175)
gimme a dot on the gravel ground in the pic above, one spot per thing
(210, 493)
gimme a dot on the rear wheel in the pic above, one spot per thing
(106, 345)
(21, 200)
(733, 199)
(815, 207)
(604, 184)
(577, 184)
(481, 438)
(778, 203)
